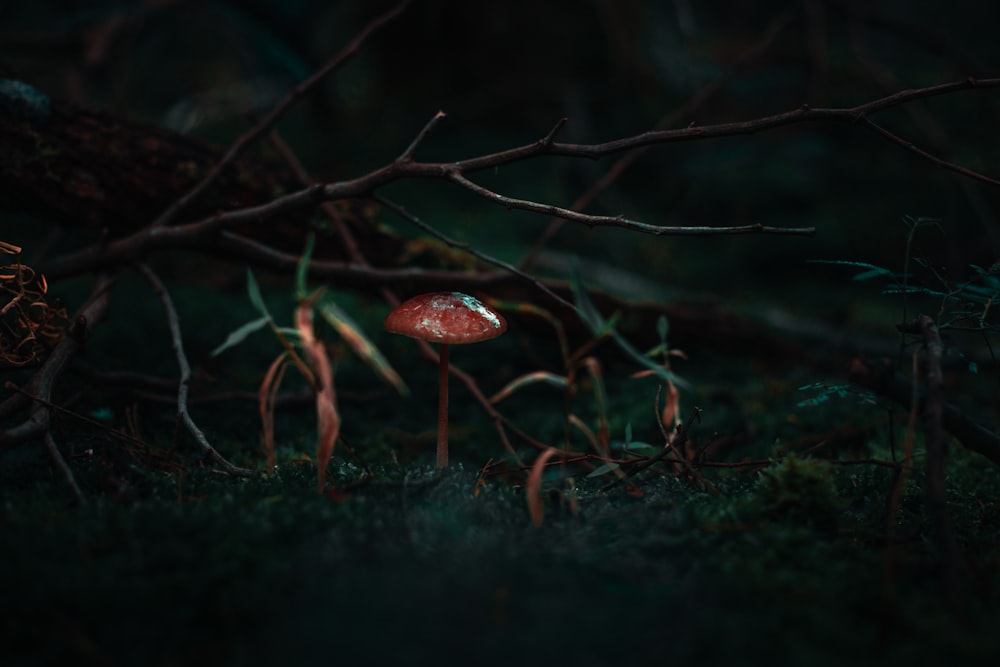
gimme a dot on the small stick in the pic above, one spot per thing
(183, 416)
(407, 155)
(67, 474)
(934, 434)
(403, 213)
(682, 433)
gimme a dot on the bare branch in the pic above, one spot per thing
(804, 114)
(551, 136)
(944, 164)
(139, 244)
(173, 321)
(204, 233)
(619, 221)
(403, 213)
(407, 155)
(697, 101)
(64, 470)
(352, 273)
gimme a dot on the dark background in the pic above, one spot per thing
(506, 72)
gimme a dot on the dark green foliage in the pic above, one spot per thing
(23, 102)
(799, 491)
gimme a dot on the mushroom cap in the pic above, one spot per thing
(446, 317)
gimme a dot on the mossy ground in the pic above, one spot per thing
(414, 568)
(171, 563)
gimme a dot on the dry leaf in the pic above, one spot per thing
(534, 488)
(265, 401)
(327, 417)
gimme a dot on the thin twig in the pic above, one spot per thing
(944, 164)
(697, 101)
(672, 446)
(120, 435)
(183, 416)
(407, 155)
(901, 476)
(934, 435)
(455, 176)
(205, 233)
(64, 469)
(803, 114)
(549, 138)
(286, 152)
(465, 247)
(361, 262)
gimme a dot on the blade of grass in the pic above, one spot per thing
(529, 379)
(533, 490)
(268, 390)
(360, 344)
(241, 334)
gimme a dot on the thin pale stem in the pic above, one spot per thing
(442, 444)
(67, 474)
(183, 416)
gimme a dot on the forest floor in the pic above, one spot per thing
(785, 560)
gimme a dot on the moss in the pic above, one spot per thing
(800, 491)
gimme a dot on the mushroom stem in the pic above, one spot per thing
(442, 443)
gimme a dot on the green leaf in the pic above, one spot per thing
(633, 446)
(253, 291)
(871, 270)
(592, 318)
(872, 273)
(302, 268)
(603, 469)
(360, 344)
(241, 334)
(662, 327)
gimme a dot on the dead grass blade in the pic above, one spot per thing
(327, 417)
(265, 400)
(536, 508)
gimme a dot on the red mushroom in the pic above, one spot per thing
(448, 318)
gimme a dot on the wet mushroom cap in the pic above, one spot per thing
(452, 318)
